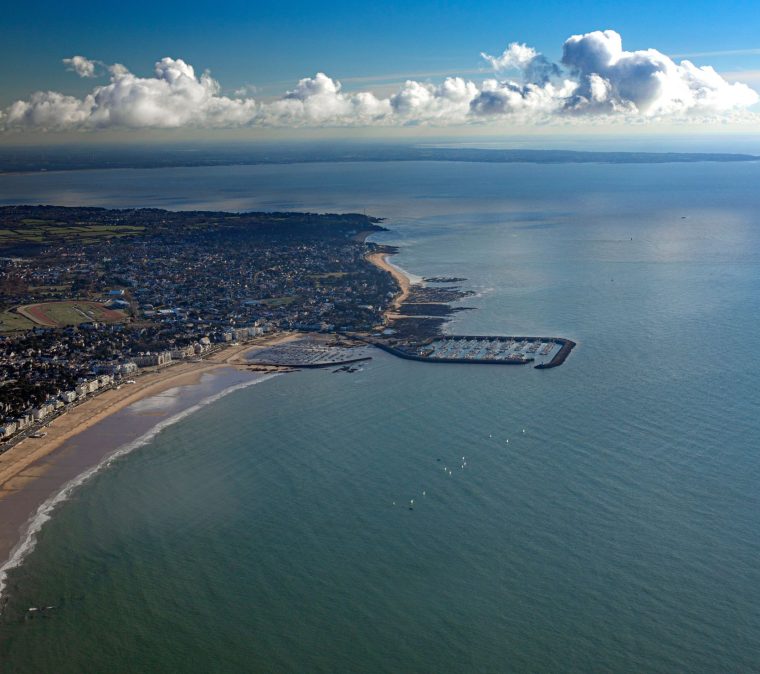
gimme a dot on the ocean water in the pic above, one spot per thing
(616, 531)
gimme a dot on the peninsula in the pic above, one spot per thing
(93, 298)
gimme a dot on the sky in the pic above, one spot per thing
(258, 68)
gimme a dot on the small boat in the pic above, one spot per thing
(38, 434)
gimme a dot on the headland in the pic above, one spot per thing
(412, 327)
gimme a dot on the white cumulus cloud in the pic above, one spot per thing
(525, 100)
(516, 55)
(173, 97)
(595, 78)
(420, 102)
(645, 82)
(534, 67)
(319, 100)
(82, 66)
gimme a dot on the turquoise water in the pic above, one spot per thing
(271, 530)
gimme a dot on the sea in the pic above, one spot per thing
(603, 516)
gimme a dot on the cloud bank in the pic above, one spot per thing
(596, 78)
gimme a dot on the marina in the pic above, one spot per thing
(414, 330)
(543, 352)
(308, 353)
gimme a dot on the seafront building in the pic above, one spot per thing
(154, 359)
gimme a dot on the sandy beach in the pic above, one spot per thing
(381, 260)
(15, 462)
(31, 471)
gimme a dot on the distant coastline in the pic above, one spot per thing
(74, 158)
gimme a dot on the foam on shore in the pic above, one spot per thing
(414, 279)
(44, 512)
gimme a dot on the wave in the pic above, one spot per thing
(43, 514)
(481, 291)
(414, 279)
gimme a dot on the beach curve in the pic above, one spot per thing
(32, 526)
(23, 465)
(380, 260)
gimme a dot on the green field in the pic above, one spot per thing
(279, 301)
(49, 290)
(332, 274)
(43, 231)
(11, 322)
(329, 278)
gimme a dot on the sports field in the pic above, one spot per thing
(60, 314)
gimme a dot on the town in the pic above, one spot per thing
(90, 297)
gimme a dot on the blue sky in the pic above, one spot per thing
(367, 45)
(267, 43)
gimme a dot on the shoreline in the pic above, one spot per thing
(17, 458)
(380, 260)
(36, 474)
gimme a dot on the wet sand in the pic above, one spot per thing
(37, 468)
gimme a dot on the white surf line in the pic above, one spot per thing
(44, 513)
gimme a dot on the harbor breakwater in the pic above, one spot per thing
(566, 346)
